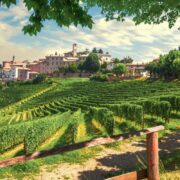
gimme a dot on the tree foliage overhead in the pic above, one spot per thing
(76, 12)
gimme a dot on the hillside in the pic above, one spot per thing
(48, 115)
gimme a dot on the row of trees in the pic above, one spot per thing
(167, 66)
(100, 51)
(125, 60)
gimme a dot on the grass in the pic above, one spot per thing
(21, 170)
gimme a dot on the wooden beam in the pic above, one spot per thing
(90, 143)
(152, 156)
(136, 175)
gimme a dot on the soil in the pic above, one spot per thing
(110, 161)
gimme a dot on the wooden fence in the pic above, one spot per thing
(152, 171)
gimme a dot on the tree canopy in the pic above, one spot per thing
(91, 64)
(116, 60)
(94, 50)
(76, 12)
(167, 66)
(119, 69)
(127, 60)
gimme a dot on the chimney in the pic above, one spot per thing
(74, 50)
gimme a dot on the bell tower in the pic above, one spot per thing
(74, 50)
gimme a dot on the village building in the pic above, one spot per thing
(136, 70)
(23, 70)
(14, 70)
(104, 58)
(51, 63)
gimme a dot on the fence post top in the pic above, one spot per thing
(155, 129)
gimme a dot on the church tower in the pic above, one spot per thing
(74, 50)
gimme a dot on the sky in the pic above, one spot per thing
(143, 42)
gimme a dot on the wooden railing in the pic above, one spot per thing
(152, 172)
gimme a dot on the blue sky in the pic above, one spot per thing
(142, 42)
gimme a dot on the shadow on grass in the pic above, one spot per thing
(90, 128)
(124, 127)
(152, 121)
(116, 164)
(175, 115)
(20, 153)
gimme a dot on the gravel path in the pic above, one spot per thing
(109, 161)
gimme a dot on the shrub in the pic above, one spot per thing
(39, 79)
(99, 77)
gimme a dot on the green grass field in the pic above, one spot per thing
(44, 116)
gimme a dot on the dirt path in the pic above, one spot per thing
(109, 161)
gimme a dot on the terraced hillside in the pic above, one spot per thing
(90, 107)
(16, 92)
(73, 110)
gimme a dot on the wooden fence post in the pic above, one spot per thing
(152, 156)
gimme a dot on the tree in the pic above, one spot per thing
(72, 68)
(94, 50)
(126, 60)
(61, 69)
(66, 13)
(39, 78)
(80, 65)
(152, 68)
(91, 63)
(119, 69)
(100, 51)
(104, 65)
(176, 65)
(167, 66)
(116, 61)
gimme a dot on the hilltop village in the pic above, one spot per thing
(50, 65)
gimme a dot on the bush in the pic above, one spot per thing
(99, 77)
(39, 79)
(12, 83)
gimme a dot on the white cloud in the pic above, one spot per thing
(142, 42)
(15, 12)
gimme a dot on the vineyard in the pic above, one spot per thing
(73, 110)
